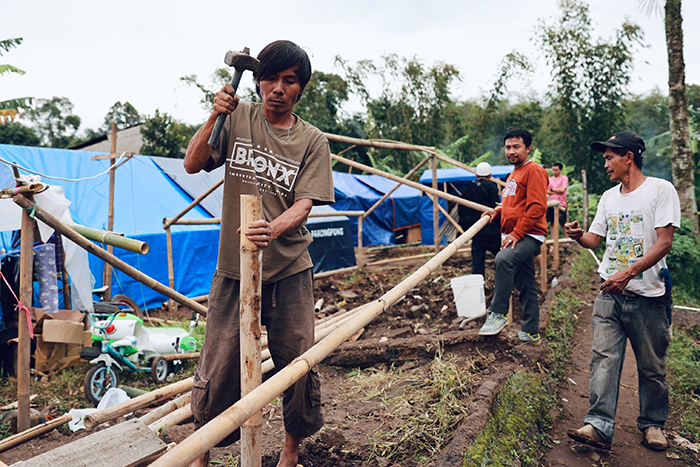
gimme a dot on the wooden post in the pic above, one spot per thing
(436, 213)
(510, 309)
(250, 333)
(543, 267)
(555, 237)
(171, 272)
(107, 279)
(25, 297)
(584, 216)
(360, 252)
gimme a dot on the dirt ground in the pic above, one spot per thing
(405, 341)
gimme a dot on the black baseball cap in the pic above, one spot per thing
(624, 140)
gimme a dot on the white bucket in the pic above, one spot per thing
(469, 295)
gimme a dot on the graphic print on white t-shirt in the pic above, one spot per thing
(625, 241)
(260, 165)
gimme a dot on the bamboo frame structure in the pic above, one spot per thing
(436, 202)
(86, 244)
(250, 329)
(167, 222)
(165, 409)
(233, 417)
(111, 238)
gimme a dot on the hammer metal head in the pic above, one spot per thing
(241, 60)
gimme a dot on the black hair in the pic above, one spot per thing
(558, 164)
(279, 56)
(638, 158)
(519, 133)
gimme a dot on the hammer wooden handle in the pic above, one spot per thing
(221, 118)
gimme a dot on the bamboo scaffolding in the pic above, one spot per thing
(125, 407)
(249, 328)
(448, 217)
(23, 321)
(86, 244)
(165, 409)
(337, 213)
(111, 238)
(171, 267)
(456, 163)
(206, 221)
(378, 144)
(33, 432)
(398, 185)
(220, 427)
(418, 186)
(167, 222)
(436, 214)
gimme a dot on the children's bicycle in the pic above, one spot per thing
(121, 342)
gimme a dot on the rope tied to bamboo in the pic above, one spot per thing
(19, 307)
(31, 210)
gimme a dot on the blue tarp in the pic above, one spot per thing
(332, 246)
(143, 197)
(405, 201)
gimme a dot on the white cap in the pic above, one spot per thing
(483, 169)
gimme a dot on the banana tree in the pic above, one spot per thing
(10, 108)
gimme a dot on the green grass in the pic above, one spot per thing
(519, 418)
(683, 366)
(560, 332)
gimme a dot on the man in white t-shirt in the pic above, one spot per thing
(637, 218)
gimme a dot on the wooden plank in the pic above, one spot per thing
(102, 157)
(127, 444)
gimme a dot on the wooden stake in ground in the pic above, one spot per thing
(251, 288)
(107, 279)
(25, 297)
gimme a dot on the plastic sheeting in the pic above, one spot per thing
(405, 201)
(143, 197)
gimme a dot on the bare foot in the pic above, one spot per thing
(290, 452)
(203, 461)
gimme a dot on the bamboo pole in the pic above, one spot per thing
(221, 426)
(561, 240)
(378, 144)
(398, 185)
(86, 244)
(410, 258)
(250, 332)
(324, 274)
(456, 163)
(111, 239)
(555, 237)
(584, 182)
(205, 221)
(418, 186)
(167, 222)
(543, 267)
(173, 418)
(448, 217)
(165, 409)
(125, 407)
(26, 294)
(436, 214)
(171, 267)
(360, 252)
(33, 432)
(107, 277)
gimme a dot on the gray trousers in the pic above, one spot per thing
(287, 312)
(515, 268)
(643, 321)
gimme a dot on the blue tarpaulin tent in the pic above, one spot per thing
(143, 197)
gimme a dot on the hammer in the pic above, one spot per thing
(240, 61)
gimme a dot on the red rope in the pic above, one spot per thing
(19, 307)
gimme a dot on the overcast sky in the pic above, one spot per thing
(96, 53)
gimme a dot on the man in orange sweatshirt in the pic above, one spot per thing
(523, 229)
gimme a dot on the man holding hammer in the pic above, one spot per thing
(267, 150)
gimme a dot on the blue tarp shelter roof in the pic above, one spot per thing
(461, 175)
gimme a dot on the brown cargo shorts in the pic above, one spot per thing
(288, 314)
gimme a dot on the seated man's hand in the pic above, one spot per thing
(492, 213)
